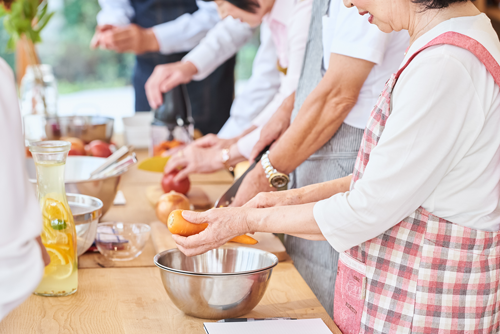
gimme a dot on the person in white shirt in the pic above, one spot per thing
(160, 32)
(22, 254)
(418, 221)
(289, 27)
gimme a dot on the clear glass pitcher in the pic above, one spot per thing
(58, 234)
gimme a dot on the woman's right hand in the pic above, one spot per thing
(45, 254)
(274, 198)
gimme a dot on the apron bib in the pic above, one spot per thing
(426, 274)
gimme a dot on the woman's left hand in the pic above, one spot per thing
(223, 225)
(194, 159)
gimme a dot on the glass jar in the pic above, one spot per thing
(39, 91)
(58, 233)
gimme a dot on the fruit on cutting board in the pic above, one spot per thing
(164, 146)
(178, 225)
(77, 146)
(169, 202)
(168, 184)
(98, 148)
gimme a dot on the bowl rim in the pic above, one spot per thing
(34, 181)
(240, 273)
(90, 214)
(115, 222)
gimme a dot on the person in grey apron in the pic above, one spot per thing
(210, 98)
(349, 57)
(316, 260)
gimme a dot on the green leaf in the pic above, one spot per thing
(58, 224)
(42, 23)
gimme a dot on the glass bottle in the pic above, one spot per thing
(58, 234)
(39, 91)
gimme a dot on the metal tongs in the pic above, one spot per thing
(117, 168)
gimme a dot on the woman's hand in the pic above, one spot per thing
(195, 159)
(274, 198)
(212, 140)
(223, 225)
(45, 254)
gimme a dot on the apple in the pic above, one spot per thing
(77, 146)
(98, 148)
(168, 184)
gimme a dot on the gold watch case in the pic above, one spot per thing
(279, 180)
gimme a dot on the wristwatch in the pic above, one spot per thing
(276, 179)
(225, 158)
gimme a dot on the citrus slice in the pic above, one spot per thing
(63, 267)
(54, 209)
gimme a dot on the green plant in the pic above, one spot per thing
(25, 18)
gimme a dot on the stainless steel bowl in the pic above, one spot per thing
(86, 211)
(226, 282)
(87, 128)
(77, 173)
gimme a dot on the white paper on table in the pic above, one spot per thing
(303, 326)
(119, 198)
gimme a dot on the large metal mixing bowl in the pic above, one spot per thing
(77, 173)
(87, 128)
(86, 212)
(227, 282)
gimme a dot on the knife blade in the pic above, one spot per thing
(228, 197)
(153, 164)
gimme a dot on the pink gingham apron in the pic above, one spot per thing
(426, 274)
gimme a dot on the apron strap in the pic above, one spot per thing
(464, 42)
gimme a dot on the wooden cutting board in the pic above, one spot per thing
(197, 197)
(162, 240)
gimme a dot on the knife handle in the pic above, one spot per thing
(257, 159)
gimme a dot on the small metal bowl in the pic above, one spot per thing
(227, 282)
(77, 173)
(86, 211)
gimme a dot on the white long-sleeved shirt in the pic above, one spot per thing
(258, 92)
(21, 265)
(289, 23)
(440, 148)
(179, 35)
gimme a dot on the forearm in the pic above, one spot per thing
(311, 129)
(320, 191)
(295, 220)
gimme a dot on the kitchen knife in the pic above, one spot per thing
(228, 197)
(154, 164)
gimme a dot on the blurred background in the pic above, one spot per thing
(95, 81)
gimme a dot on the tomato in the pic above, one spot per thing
(168, 184)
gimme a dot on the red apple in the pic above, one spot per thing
(168, 184)
(98, 148)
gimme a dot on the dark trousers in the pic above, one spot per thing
(211, 98)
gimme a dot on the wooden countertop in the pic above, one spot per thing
(128, 297)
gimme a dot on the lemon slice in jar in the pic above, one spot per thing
(54, 209)
(58, 260)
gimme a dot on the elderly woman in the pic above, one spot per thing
(418, 221)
